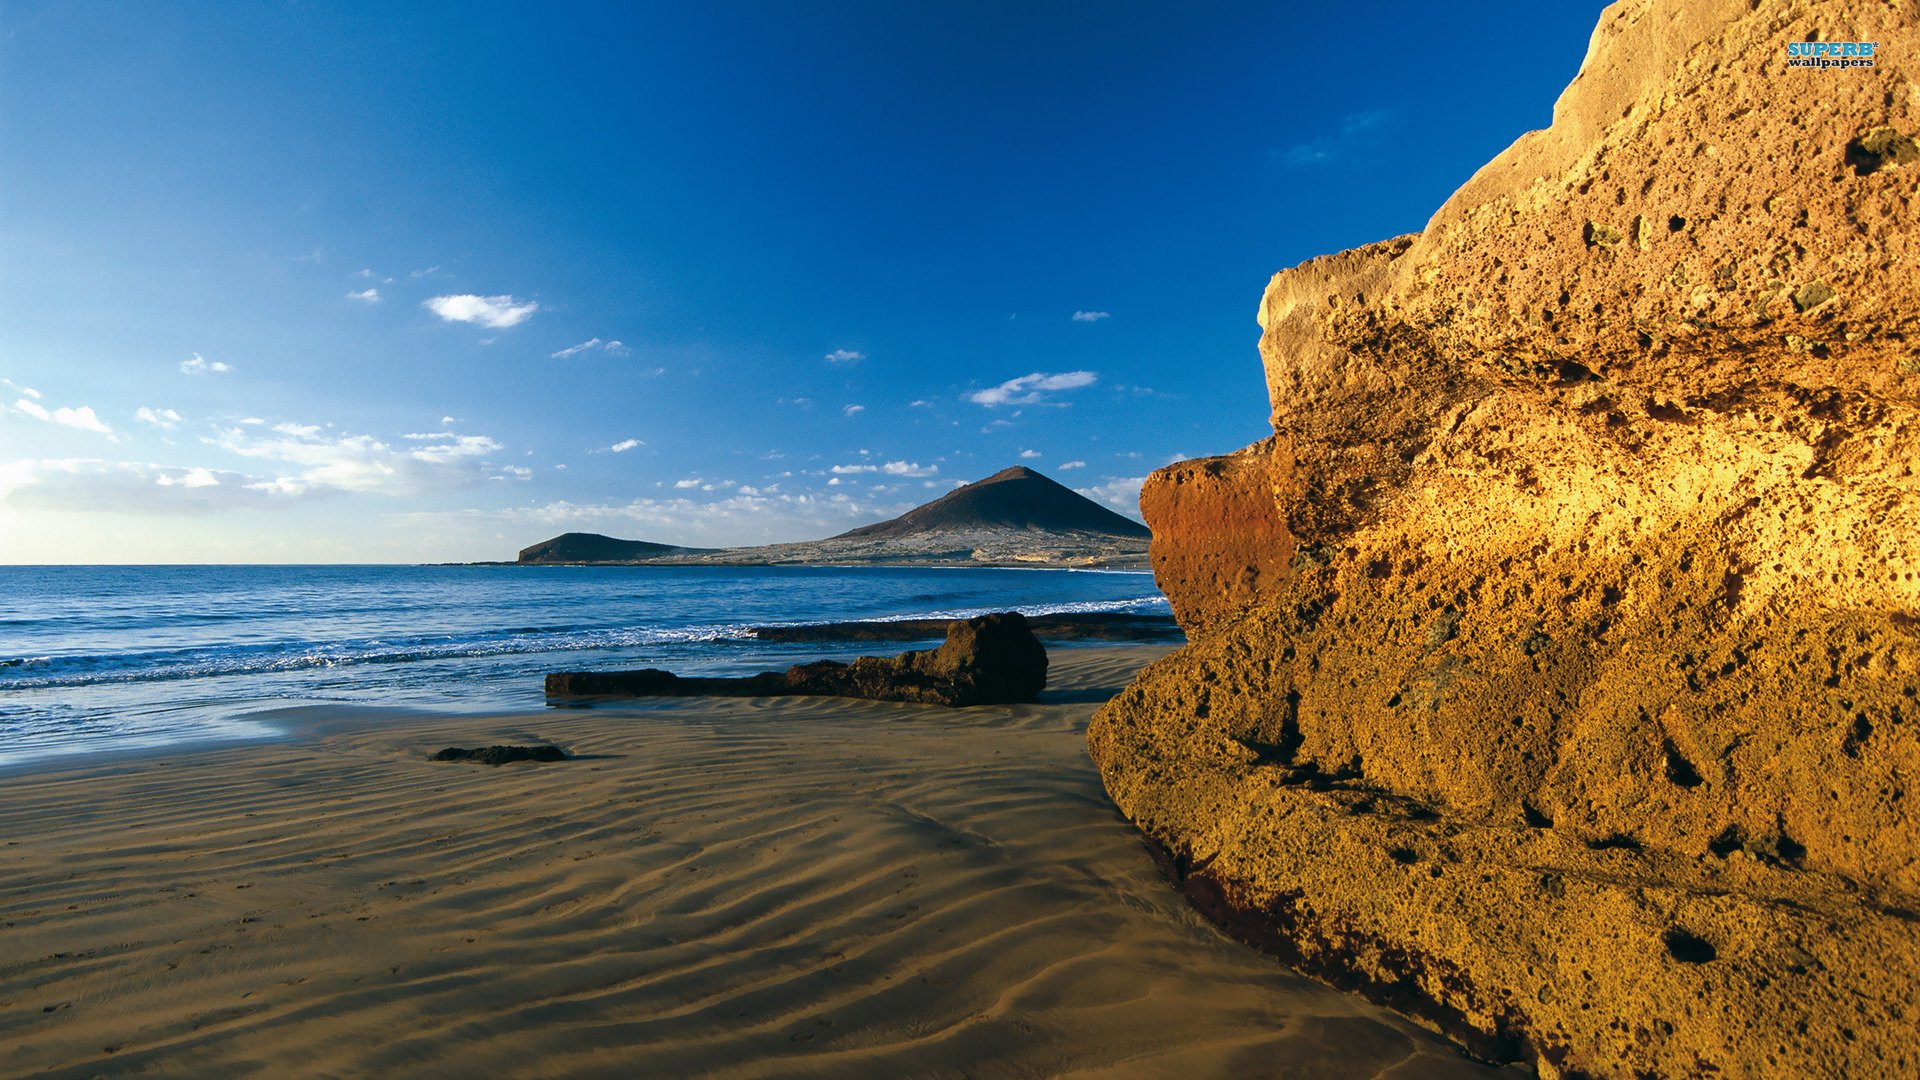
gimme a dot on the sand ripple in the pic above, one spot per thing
(754, 888)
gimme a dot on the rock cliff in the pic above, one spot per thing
(1554, 665)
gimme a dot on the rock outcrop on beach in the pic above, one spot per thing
(577, 547)
(1555, 666)
(1067, 626)
(501, 755)
(987, 660)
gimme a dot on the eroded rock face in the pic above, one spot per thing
(1554, 667)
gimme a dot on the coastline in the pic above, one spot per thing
(728, 887)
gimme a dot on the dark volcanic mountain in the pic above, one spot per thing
(592, 547)
(1015, 498)
(1016, 517)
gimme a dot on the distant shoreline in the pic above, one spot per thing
(1129, 564)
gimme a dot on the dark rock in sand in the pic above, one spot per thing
(1073, 626)
(989, 660)
(500, 755)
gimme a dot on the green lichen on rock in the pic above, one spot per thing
(1812, 295)
(1602, 234)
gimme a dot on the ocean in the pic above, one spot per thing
(103, 659)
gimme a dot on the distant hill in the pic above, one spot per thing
(1015, 498)
(1016, 517)
(577, 547)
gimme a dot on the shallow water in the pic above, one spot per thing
(105, 658)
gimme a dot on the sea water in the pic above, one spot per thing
(98, 659)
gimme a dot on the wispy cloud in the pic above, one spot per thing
(493, 312)
(165, 419)
(844, 356)
(1030, 454)
(756, 515)
(854, 410)
(1122, 493)
(614, 347)
(1065, 465)
(370, 296)
(200, 365)
(908, 468)
(1031, 389)
(1355, 133)
(1090, 316)
(325, 462)
(91, 484)
(624, 445)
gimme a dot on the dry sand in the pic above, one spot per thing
(741, 888)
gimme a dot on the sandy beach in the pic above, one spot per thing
(739, 888)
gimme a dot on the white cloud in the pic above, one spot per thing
(921, 404)
(90, 484)
(428, 272)
(846, 470)
(854, 410)
(371, 296)
(361, 463)
(1122, 493)
(908, 468)
(690, 482)
(613, 347)
(513, 472)
(1031, 389)
(1030, 454)
(164, 419)
(590, 343)
(625, 445)
(494, 312)
(422, 434)
(27, 390)
(1090, 316)
(198, 476)
(738, 517)
(200, 365)
(364, 273)
(844, 356)
(1065, 465)
(82, 418)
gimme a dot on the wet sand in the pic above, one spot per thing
(728, 888)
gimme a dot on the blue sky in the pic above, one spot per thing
(341, 282)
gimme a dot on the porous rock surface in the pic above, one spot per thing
(1553, 667)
